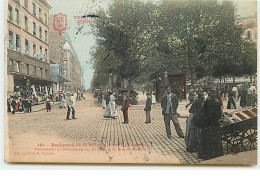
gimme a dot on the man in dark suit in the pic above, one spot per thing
(147, 108)
(169, 104)
(126, 104)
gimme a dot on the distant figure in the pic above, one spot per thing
(125, 106)
(48, 104)
(169, 104)
(220, 100)
(235, 92)
(243, 94)
(103, 101)
(147, 108)
(231, 100)
(62, 102)
(13, 104)
(25, 104)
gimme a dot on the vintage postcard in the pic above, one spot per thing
(131, 81)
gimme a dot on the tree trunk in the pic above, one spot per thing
(234, 79)
(251, 79)
(129, 86)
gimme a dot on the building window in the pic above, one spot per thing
(46, 72)
(10, 13)
(17, 17)
(26, 4)
(27, 69)
(18, 43)
(46, 52)
(46, 36)
(27, 47)
(40, 32)
(248, 35)
(26, 23)
(40, 14)
(34, 50)
(35, 73)
(34, 28)
(40, 49)
(34, 9)
(45, 18)
(11, 42)
(41, 71)
(18, 65)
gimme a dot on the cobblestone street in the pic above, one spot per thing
(108, 139)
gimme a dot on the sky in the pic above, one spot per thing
(84, 42)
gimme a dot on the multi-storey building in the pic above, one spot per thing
(56, 57)
(72, 69)
(28, 46)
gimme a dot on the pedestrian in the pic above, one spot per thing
(113, 106)
(13, 105)
(147, 108)
(192, 132)
(192, 95)
(20, 105)
(25, 104)
(62, 102)
(125, 106)
(210, 145)
(30, 104)
(235, 92)
(231, 100)
(48, 104)
(70, 104)
(104, 101)
(220, 100)
(9, 104)
(169, 104)
(243, 98)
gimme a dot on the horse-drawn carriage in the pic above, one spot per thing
(239, 130)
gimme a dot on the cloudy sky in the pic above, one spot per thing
(85, 41)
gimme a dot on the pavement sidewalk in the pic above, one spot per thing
(243, 158)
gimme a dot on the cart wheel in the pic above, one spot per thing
(234, 142)
(250, 139)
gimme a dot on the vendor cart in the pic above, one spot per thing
(239, 130)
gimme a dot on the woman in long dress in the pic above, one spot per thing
(48, 104)
(62, 102)
(111, 111)
(192, 132)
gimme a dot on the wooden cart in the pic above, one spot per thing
(239, 130)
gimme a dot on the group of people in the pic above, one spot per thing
(19, 104)
(202, 128)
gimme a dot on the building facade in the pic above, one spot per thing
(72, 71)
(250, 25)
(28, 63)
(56, 43)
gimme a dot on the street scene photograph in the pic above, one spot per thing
(167, 82)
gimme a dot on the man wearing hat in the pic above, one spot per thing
(147, 108)
(169, 104)
(126, 104)
(70, 103)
